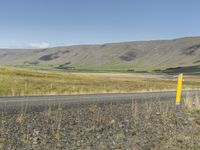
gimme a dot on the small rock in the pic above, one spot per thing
(191, 119)
(112, 121)
(179, 140)
(36, 132)
(35, 140)
(157, 113)
(98, 137)
(121, 125)
(126, 120)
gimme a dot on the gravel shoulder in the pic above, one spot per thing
(137, 123)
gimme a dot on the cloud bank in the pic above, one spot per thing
(39, 45)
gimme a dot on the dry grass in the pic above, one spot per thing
(192, 103)
(20, 82)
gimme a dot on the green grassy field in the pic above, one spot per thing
(23, 81)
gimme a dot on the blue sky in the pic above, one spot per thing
(43, 23)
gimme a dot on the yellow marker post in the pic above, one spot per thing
(179, 89)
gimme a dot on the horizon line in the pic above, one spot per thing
(103, 43)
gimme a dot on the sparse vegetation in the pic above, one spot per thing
(138, 124)
(192, 103)
(21, 81)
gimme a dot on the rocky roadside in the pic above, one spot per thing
(134, 125)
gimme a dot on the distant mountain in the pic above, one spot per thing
(137, 55)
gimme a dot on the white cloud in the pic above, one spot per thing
(38, 45)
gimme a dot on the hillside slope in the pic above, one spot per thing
(138, 55)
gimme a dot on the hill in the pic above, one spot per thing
(137, 55)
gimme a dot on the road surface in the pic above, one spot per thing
(89, 98)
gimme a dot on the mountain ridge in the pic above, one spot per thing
(131, 55)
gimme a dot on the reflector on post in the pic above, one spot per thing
(179, 89)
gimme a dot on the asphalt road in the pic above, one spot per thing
(89, 98)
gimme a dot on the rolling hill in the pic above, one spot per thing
(136, 55)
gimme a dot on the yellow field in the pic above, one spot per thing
(20, 82)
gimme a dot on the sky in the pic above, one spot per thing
(49, 23)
